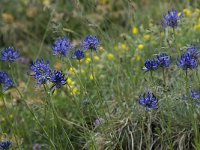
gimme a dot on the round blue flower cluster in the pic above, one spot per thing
(4, 145)
(172, 19)
(58, 78)
(41, 71)
(90, 43)
(187, 61)
(163, 60)
(148, 100)
(63, 46)
(10, 54)
(5, 81)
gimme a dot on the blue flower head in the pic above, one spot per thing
(164, 60)
(195, 94)
(5, 81)
(187, 61)
(62, 46)
(193, 50)
(5, 145)
(9, 54)
(91, 43)
(78, 54)
(41, 71)
(151, 64)
(148, 100)
(58, 78)
(172, 19)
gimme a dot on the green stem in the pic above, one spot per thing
(164, 78)
(186, 82)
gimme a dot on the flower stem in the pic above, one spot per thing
(186, 82)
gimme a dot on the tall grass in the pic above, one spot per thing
(98, 108)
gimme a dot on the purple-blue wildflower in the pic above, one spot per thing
(58, 79)
(4, 145)
(5, 81)
(195, 94)
(90, 43)
(62, 46)
(148, 100)
(172, 19)
(187, 61)
(151, 64)
(164, 60)
(193, 50)
(41, 71)
(78, 54)
(10, 54)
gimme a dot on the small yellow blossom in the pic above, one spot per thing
(101, 48)
(110, 56)
(135, 30)
(70, 81)
(7, 18)
(140, 47)
(72, 70)
(187, 12)
(75, 91)
(87, 60)
(96, 58)
(10, 116)
(103, 2)
(146, 37)
(46, 3)
(138, 58)
(197, 27)
(123, 46)
(92, 77)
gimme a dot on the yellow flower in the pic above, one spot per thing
(196, 12)
(197, 27)
(46, 3)
(187, 12)
(10, 116)
(70, 81)
(146, 37)
(75, 91)
(87, 60)
(92, 77)
(123, 46)
(110, 56)
(135, 30)
(103, 2)
(140, 47)
(96, 58)
(138, 58)
(101, 48)
(7, 18)
(72, 70)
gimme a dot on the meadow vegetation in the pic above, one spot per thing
(99, 74)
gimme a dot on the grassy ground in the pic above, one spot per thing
(98, 107)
